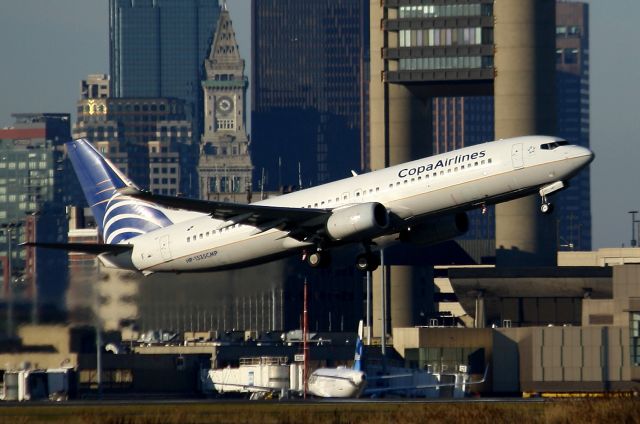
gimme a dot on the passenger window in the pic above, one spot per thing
(482, 162)
(462, 167)
(413, 180)
(441, 172)
(207, 233)
(391, 185)
(455, 169)
(188, 239)
(406, 181)
(489, 160)
(200, 236)
(398, 183)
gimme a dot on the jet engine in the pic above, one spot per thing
(436, 229)
(363, 220)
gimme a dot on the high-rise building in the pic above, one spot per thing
(34, 189)
(224, 168)
(309, 88)
(157, 48)
(572, 85)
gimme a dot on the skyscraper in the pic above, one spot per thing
(309, 89)
(157, 48)
(572, 84)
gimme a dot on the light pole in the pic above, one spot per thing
(8, 230)
(634, 242)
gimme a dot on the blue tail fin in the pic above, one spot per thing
(357, 359)
(118, 217)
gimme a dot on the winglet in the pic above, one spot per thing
(354, 173)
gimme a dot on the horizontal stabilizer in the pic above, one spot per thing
(91, 248)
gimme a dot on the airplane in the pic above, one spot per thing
(340, 382)
(343, 382)
(420, 202)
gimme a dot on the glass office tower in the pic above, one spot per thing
(157, 49)
(309, 84)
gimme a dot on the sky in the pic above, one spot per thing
(49, 46)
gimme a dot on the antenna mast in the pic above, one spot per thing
(305, 346)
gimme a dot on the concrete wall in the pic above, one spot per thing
(597, 312)
(571, 359)
(626, 292)
(601, 257)
(56, 336)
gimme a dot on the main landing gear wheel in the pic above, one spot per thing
(546, 208)
(318, 259)
(367, 262)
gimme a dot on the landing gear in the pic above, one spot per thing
(318, 259)
(367, 262)
(546, 207)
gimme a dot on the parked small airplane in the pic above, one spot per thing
(422, 202)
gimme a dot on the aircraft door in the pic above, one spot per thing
(164, 247)
(516, 156)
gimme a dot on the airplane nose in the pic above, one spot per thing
(584, 155)
(590, 156)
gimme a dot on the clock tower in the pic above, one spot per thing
(224, 166)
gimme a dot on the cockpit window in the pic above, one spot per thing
(555, 144)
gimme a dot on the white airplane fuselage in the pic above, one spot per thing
(336, 383)
(451, 182)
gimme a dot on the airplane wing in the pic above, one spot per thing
(91, 248)
(372, 391)
(297, 219)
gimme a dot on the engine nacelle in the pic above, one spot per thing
(357, 221)
(437, 229)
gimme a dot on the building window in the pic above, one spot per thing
(570, 56)
(225, 125)
(635, 338)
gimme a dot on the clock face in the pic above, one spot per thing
(224, 105)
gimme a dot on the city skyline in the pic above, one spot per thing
(67, 41)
